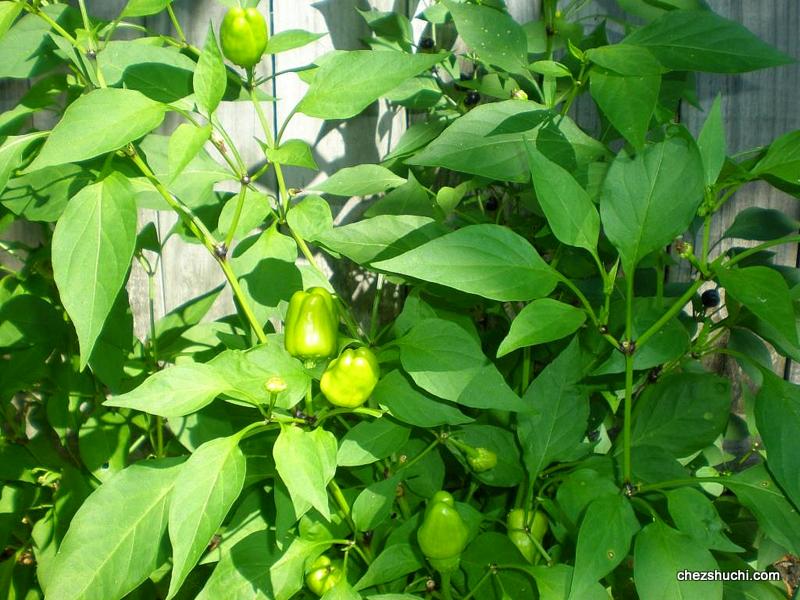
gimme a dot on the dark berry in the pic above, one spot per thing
(492, 204)
(472, 98)
(426, 43)
(710, 298)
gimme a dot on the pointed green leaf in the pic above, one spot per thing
(661, 554)
(487, 260)
(210, 76)
(700, 40)
(570, 212)
(306, 462)
(208, 485)
(712, 143)
(365, 74)
(362, 180)
(649, 199)
(174, 392)
(102, 121)
(541, 321)
(114, 540)
(93, 244)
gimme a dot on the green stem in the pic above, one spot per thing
(241, 299)
(789, 239)
(376, 305)
(236, 216)
(200, 231)
(309, 400)
(577, 85)
(420, 456)
(706, 241)
(478, 584)
(175, 23)
(626, 433)
(681, 482)
(45, 17)
(626, 424)
(446, 592)
(676, 308)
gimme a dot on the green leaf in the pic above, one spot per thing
(777, 414)
(306, 462)
(246, 371)
(409, 405)
(765, 293)
(143, 8)
(374, 504)
(293, 153)
(93, 243)
(290, 39)
(362, 180)
(488, 141)
(210, 76)
(627, 101)
(782, 159)
(603, 541)
(661, 554)
(756, 223)
(174, 392)
(712, 142)
(102, 121)
(487, 260)
(365, 75)
(541, 321)
(103, 443)
(243, 573)
(206, 488)
(682, 413)
(649, 199)
(695, 515)
(26, 48)
(624, 59)
(11, 151)
(310, 218)
(652, 9)
(446, 361)
(114, 540)
(699, 40)
(559, 411)
(9, 11)
(570, 212)
(553, 583)
(371, 441)
(756, 490)
(495, 37)
(160, 73)
(184, 145)
(254, 211)
(286, 574)
(380, 237)
(393, 563)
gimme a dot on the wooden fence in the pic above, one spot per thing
(757, 108)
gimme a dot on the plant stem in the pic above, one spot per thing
(376, 305)
(706, 241)
(789, 239)
(175, 23)
(446, 586)
(201, 233)
(626, 423)
(626, 432)
(681, 482)
(236, 216)
(676, 308)
(478, 584)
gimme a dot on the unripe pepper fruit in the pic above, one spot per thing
(520, 532)
(443, 534)
(311, 329)
(349, 379)
(244, 36)
(324, 575)
(482, 459)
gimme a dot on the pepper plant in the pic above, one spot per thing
(528, 407)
